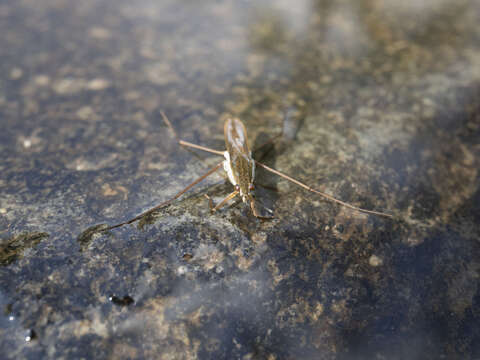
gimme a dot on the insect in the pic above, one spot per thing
(240, 168)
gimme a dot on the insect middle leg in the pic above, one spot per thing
(221, 203)
(324, 195)
(166, 202)
(287, 132)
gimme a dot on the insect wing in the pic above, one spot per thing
(236, 138)
(240, 159)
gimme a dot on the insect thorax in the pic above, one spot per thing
(240, 172)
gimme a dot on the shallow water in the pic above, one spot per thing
(380, 106)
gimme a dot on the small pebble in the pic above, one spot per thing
(31, 335)
(68, 86)
(182, 270)
(125, 301)
(187, 257)
(16, 74)
(41, 80)
(375, 260)
(98, 84)
(99, 33)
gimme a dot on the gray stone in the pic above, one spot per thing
(380, 103)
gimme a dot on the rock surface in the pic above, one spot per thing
(380, 105)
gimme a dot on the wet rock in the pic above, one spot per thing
(378, 105)
(12, 249)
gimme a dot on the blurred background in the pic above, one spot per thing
(379, 101)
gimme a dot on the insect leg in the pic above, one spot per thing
(255, 213)
(269, 141)
(199, 147)
(186, 143)
(288, 131)
(326, 196)
(221, 203)
(180, 193)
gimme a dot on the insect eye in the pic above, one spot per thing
(237, 187)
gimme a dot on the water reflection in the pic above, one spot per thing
(378, 101)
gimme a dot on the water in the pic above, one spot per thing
(380, 106)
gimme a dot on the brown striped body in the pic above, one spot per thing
(238, 164)
(240, 168)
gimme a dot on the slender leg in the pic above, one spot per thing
(199, 147)
(186, 143)
(180, 193)
(283, 132)
(255, 213)
(221, 203)
(269, 141)
(259, 153)
(326, 196)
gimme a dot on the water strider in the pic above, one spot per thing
(240, 168)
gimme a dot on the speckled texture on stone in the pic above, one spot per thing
(380, 102)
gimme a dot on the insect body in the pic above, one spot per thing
(238, 163)
(240, 168)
